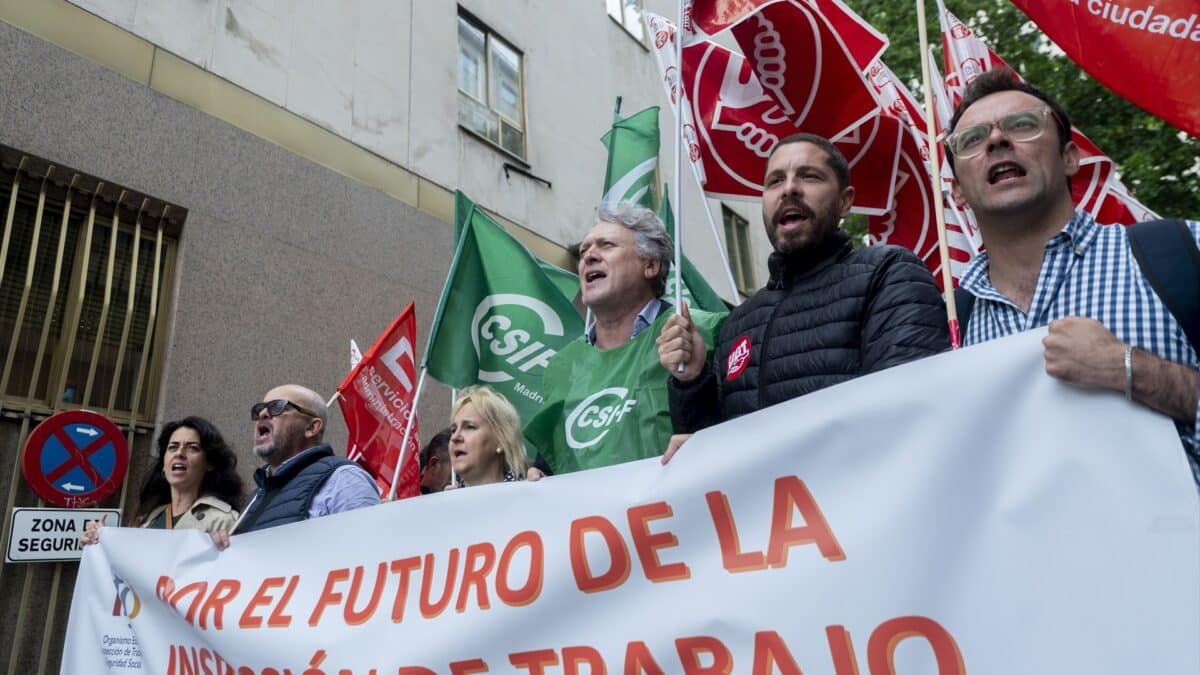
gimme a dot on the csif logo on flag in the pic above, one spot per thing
(595, 415)
(509, 332)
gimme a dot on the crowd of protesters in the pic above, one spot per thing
(829, 313)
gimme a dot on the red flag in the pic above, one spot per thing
(376, 399)
(911, 222)
(735, 121)
(705, 18)
(1096, 187)
(811, 75)
(1148, 53)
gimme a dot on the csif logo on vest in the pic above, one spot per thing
(738, 358)
(597, 413)
(510, 331)
(126, 601)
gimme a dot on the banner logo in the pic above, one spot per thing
(506, 338)
(597, 412)
(126, 601)
(739, 356)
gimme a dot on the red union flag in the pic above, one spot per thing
(732, 122)
(811, 74)
(376, 400)
(737, 122)
(706, 18)
(1096, 188)
(1146, 52)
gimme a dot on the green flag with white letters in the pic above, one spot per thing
(501, 317)
(632, 158)
(607, 406)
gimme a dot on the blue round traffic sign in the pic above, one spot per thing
(75, 459)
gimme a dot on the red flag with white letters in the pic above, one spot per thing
(1146, 52)
(1096, 188)
(376, 399)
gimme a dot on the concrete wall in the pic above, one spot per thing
(382, 74)
(281, 260)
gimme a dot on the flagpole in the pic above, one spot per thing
(712, 224)
(412, 417)
(609, 164)
(677, 178)
(678, 205)
(936, 175)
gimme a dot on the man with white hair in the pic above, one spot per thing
(606, 394)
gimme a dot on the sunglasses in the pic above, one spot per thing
(1022, 127)
(277, 407)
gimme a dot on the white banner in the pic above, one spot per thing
(965, 513)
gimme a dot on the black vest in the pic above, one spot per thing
(286, 495)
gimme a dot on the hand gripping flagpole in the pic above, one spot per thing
(936, 175)
(412, 417)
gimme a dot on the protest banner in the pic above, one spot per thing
(1021, 526)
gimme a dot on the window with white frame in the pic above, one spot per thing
(741, 255)
(628, 13)
(491, 97)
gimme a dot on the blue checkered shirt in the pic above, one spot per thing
(1088, 270)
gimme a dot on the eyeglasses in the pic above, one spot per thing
(277, 407)
(1022, 127)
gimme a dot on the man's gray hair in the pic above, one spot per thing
(653, 242)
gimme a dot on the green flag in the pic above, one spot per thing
(500, 318)
(566, 282)
(632, 157)
(696, 291)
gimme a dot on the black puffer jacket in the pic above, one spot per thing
(826, 316)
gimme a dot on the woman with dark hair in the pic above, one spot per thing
(196, 487)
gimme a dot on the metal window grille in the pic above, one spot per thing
(85, 284)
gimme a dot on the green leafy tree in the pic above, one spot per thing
(1158, 163)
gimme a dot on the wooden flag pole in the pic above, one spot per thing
(936, 174)
(412, 417)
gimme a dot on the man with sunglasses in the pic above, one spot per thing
(1047, 264)
(301, 477)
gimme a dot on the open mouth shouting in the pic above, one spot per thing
(1001, 172)
(791, 215)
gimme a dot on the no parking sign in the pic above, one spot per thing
(75, 459)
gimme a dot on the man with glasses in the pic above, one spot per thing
(1047, 264)
(301, 477)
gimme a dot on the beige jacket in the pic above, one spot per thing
(208, 513)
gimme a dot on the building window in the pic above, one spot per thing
(491, 96)
(741, 256)
(85, 275)
(628, 13)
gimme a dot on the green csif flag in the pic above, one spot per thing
(632, 158)
(500, 318)
(696, 291)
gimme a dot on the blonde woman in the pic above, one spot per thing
(486, 445)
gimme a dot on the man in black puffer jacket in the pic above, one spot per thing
(828, 314)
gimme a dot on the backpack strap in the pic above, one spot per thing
(1168, 256)
(964, 302)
